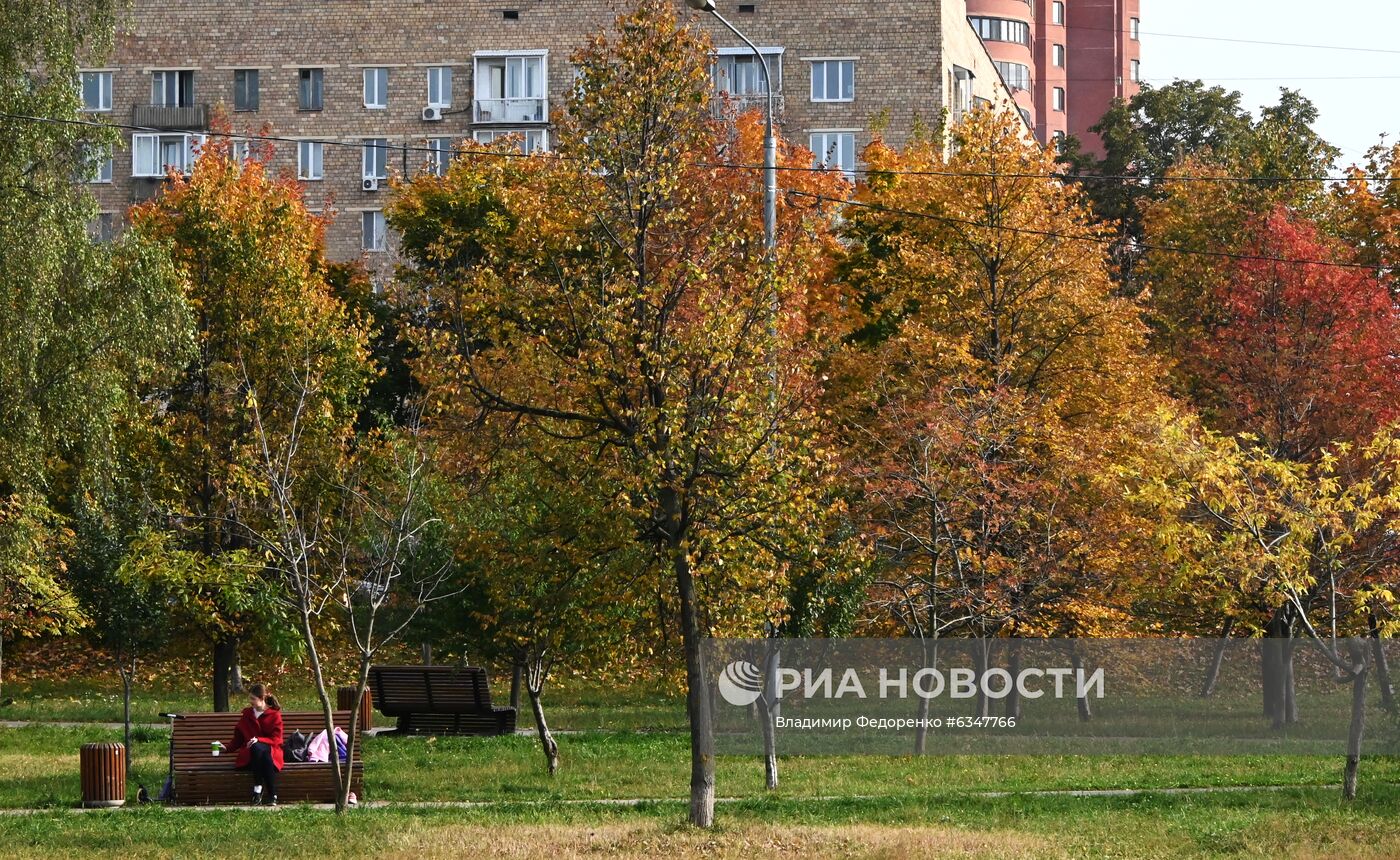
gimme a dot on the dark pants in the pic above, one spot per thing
(263, 767)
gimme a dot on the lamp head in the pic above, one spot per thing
(701, 5)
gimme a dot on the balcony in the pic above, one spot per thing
(188, 118)
(728, 105)
(510, 110)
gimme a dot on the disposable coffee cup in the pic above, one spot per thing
(215, 747)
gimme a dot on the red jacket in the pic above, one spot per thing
(267, 728)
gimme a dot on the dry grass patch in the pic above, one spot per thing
(653, 840)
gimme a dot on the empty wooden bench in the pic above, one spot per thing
(449, 700)
(203, 779)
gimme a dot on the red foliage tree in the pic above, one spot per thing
(1308, 353)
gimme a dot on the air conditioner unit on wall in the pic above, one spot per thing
(370, 185)
(432, 114)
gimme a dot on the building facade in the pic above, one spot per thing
(357, 91)
(1065, 60)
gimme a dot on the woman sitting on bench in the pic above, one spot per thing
(257, 740)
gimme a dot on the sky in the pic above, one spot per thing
(1355, 90)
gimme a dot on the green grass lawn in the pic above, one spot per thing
(856, 806)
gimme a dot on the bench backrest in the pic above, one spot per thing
(430, 689)
(192, 735)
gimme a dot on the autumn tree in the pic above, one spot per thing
(81, 324)
(249, 254)
(1306, 350)
(999, 375)
(618, 295)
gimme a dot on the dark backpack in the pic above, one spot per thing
(295, 747)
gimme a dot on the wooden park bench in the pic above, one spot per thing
(202, 779)
(448, 700)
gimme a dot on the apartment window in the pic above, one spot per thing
(1016, 75)
(241, 151)
(1134, 27)
(833, 80)
(376, 88)
(1057, 98)
(310, 89)
(372, 234)
(97, 164)
(439, 155)
(97, 91)
(741, 74)
(1002, 30)
(153, 154)
(310, 154)
(440, 87)
(100, 229)
(376, 158)
(511, 88)
(245, 89)
(1135, 70)
(835, 149)
(528, 139)
(1057, 55)
(960, 86)
(1057, 12)
(172, 88)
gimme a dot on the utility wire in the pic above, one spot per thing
(1078, 237)
(791, 168)
(1103, 240)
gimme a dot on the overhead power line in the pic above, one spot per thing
(1078, 237)
(1103, 240)
(789, 168)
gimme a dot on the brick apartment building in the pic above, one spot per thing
(1065, 60)
(365, 89)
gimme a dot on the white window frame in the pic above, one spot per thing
(1057, 99)
(1135, 71)
(527, 104)
(540, 136)
(99, 160)
(439, 155)
(314, 77)
(378, 98)
(160, 90)
(374, 233)
(437, 77)
(367, 146)
(1057, 12)
(311, 160)
(104, 90)
(1057, 56)
(724, 77)
(1135, 29)
(821, 142)
(819, 74)
(155, 166)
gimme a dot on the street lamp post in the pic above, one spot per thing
(770, 143)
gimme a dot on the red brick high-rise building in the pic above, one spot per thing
(1065, 60)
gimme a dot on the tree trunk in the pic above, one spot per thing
(1382, 667)
(1272, 666)
(981, 660)
(547, 742)
(225, 651)
(361, 685)
(1081, 702)
(127, 674)
(1213, 671)
(1013, 665)
(1358, 718)
(1290, 688)
(767, 711)
(697, 698)
(427, 654)
(340, 776)
(517, 669)
(235, 672)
